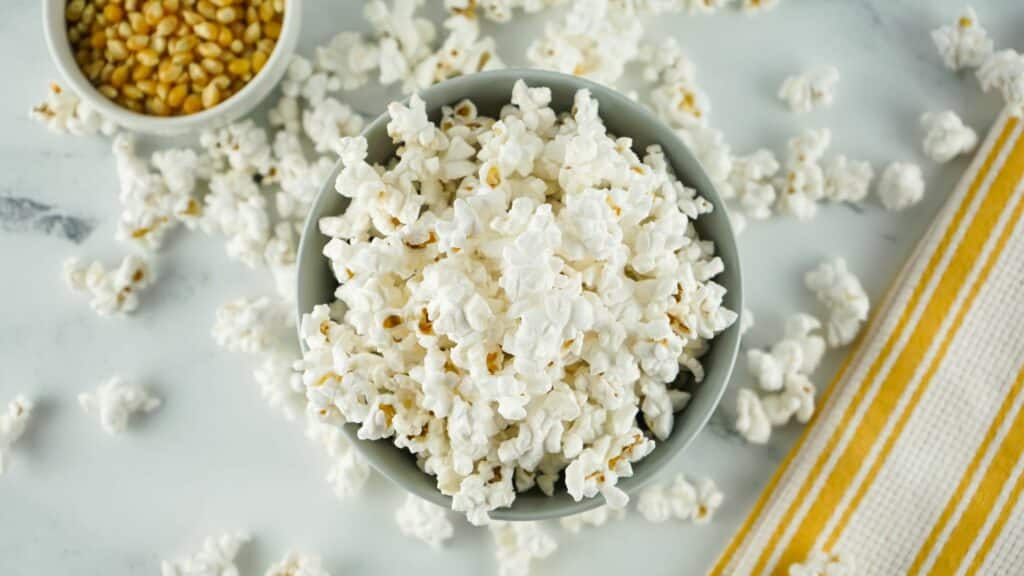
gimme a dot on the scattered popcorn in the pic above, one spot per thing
(1004, 71)
(946, 136)
(841, 292)
(847, 180)
(498, 337)
(822, 564)
(810, 90)
(424, 521)
(114, 401)
(596, 518)
(750, 184)
(964, 44)
(110, 291)
(680, 500)
(746, 321)
(280, 385)
(705, 6)
(518, 544)
(64, 112)
(752, 422)
(349, 471)
(802, 184)
(751, 7)
(217, 558)
(296, 564)
(247, 325)
(901, 186)
(12, 426)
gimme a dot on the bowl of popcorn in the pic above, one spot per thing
(518, 294)
(172, 66)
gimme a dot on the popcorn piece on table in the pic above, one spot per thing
(752, 422)
(681, 500)
(247, 324)
(217, 556)
(844, 297)
(752, 7)
(13, 423)
(348, 471)
(802, 183)
(280, 385)
(64, 112)
(424, 521)
(822, 564)
(114, 401)
(597, 517)
(965, 43)
(750, 183)
(518, 544)
(946, 136)
(110, 291)
(847, 180)
(296, 564)
(901, 186)
(810, 90)
(705, 6)
(1004, 71)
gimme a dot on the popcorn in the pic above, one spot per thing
(114, 401)
(349, 470)
(246, 325)
(750, 183)
(296, 564)
(803, 183)
(217, 557)
(596, 517)
(12, 426)
(821, 564)
(236, 208)
(280, 385)
(901, 186)
(705, 6)
(847, 180)
(1004, 71)
(64, 112)
(680, 500)
(518, 544)
(965, 44)
(841, 292)
(243, 146)
(462, 316)
(350, 58)
(810, 90)
(946, 136)
(751, 420)
(752, 7)
(111, 291)
(424, 521)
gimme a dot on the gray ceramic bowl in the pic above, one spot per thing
(623, 117)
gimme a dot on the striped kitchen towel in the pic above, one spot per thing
(913, 465)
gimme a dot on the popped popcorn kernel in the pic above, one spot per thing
(111, 291)
(1004, 71)
(13, 423)
(518, 545)
(297, 564)
(901, 186)
(811, 90)
(115, 401)
(247, 325)
(595, 518)
(63, 112)
(963, 44)
(424, 521)
(946, 136)
(681, 500)
(841, 292)
(217, 556)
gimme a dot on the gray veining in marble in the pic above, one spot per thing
(19, 214)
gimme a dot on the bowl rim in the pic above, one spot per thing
(725, 247)
(237, 105)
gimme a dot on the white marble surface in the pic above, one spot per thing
(215, 458)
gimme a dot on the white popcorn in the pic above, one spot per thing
(350, 58)
(518, 544)
(964, 44)
(810, 90)
(751, 420)
(705, 6)
(750, 183)
(751, 7)
(847, 180)
(280, 385)
(596, 518)
(114, 402)
(464, 301)
(13, 423)
(64, 112)
(111, 291)
(349, 471)
(901, 186)
(424, 521)
(680, 500)
(247, 325)
(802, 184)
(236, 208)
(216, 558)
(296, 564)
(841, 292)
(946, 136)
(819, 563)
(243, 145)
(1004, 71)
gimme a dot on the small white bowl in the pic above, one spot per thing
(239, 104)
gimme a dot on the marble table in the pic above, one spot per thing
(214, 458)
